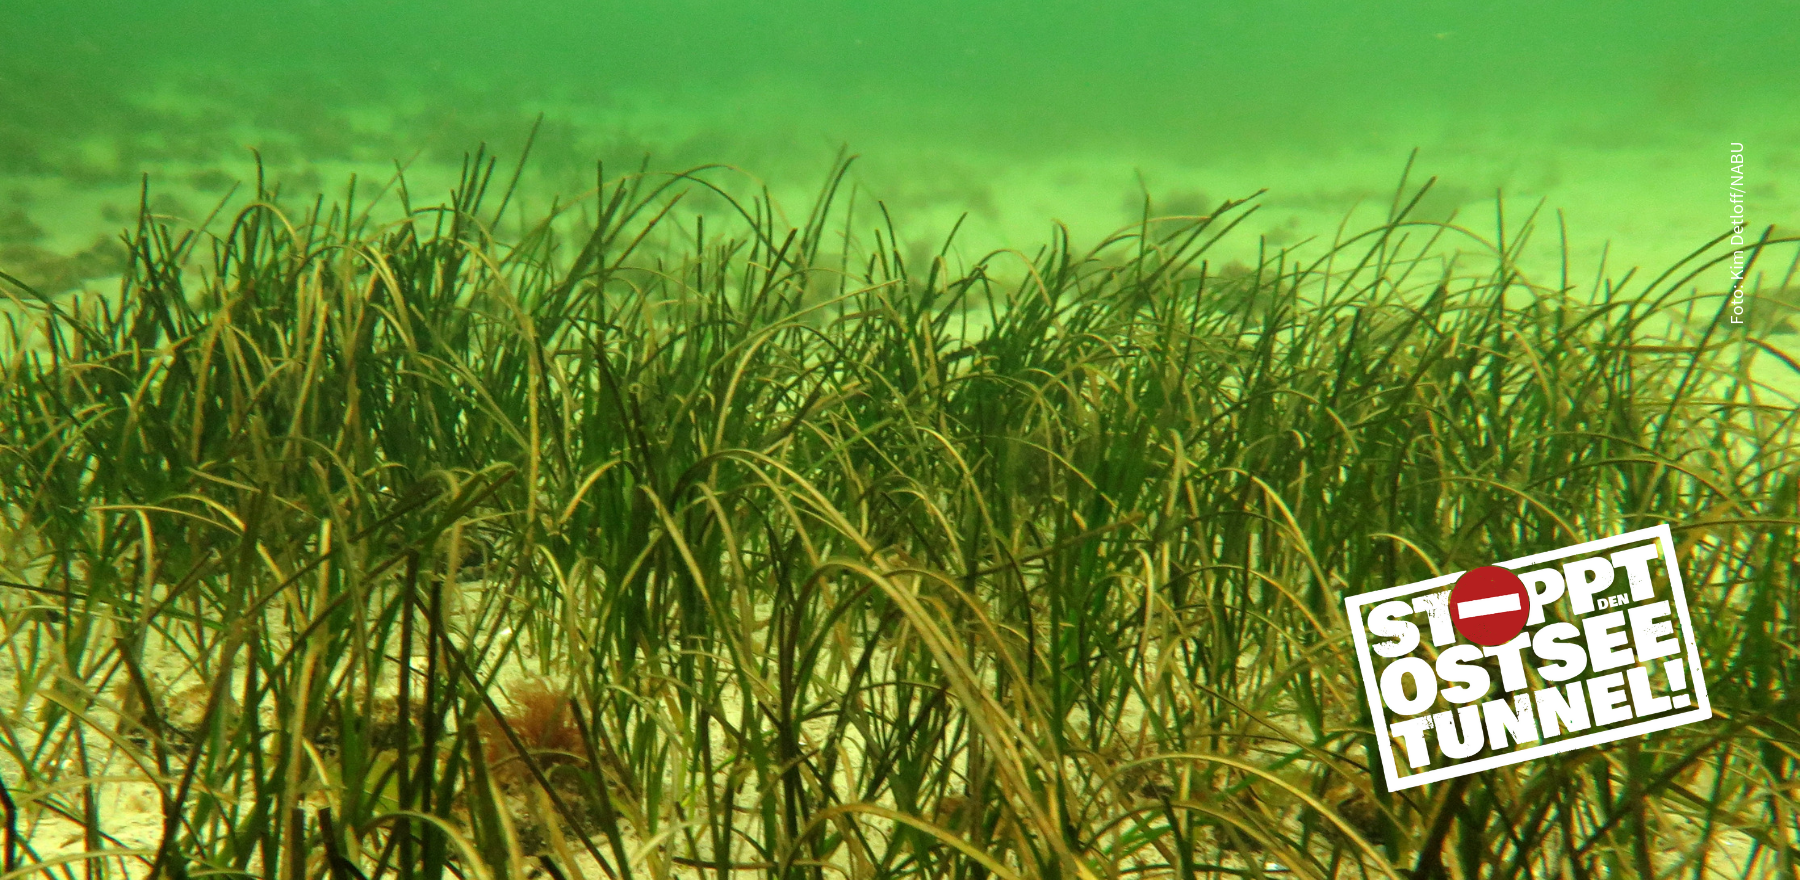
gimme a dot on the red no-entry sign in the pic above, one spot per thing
(1489, 605)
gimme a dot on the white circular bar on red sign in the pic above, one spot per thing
(1489, 605)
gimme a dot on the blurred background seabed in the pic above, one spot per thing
(1003, 116)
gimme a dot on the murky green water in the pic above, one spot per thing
(1014, 114)
(1147, 71)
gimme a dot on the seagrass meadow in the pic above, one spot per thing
(639, 541)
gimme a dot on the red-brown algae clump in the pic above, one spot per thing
(541, 718)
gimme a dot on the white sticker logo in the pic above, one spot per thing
(1529, 657)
